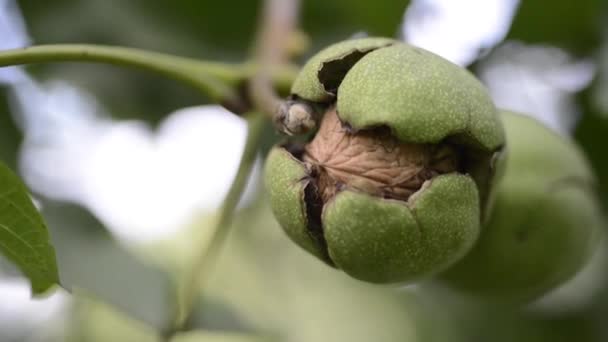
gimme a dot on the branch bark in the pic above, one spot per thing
(279, 19)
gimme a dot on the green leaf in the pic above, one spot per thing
(24, 238)
(95, 264)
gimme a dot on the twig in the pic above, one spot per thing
(203, 262)
(271, 53)
(219, 81)
(278, 23)
(214, 79)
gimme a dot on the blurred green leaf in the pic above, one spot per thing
(94, 263)
(95, 321)
(24, 238)
(339, 19)
(590, 133)
(205, 336)
(10, 136)
(574, 25)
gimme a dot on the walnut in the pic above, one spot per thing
(372, 161)
(394, 156)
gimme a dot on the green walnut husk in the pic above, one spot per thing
(396, 181)
(545, 221)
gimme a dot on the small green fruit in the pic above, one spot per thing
(544, 222)
(393, 185)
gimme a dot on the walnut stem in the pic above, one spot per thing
(203, 262)
(219, 81)
(277, 26)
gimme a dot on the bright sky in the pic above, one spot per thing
(458, 30)
(537, 79)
